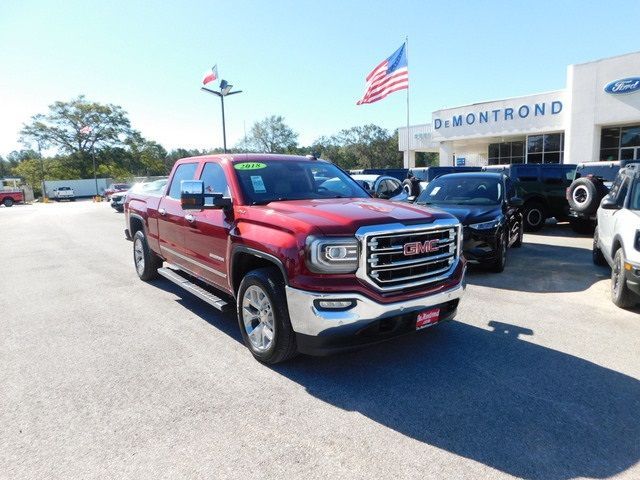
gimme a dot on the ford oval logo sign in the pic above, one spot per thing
(626, 85)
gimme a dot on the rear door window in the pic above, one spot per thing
(526, 174)
(553, 175)
(186, 171)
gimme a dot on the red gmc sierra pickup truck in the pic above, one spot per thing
(310, 261)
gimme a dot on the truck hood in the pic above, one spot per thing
(345, 215)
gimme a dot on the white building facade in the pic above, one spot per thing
(596, 117)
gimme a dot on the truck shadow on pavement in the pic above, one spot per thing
(542, 268)
(489, 396)
(484, 394)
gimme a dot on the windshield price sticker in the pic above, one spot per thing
(258, 184)
(249, 166)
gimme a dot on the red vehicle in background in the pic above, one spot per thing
(10, 192)
(114, 188)
(308, 259)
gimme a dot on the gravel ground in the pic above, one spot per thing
(104, 376)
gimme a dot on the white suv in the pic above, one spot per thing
(616, 240)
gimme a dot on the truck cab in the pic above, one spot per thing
(308, 259)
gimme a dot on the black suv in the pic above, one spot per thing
(542, 187)
(487, 206)
(590, 185)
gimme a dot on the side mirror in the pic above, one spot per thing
(609, 204)
(515, 202)
(192, 197)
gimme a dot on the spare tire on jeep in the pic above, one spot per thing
(585, 194)
(411, 187)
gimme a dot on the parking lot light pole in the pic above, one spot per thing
(95, 175)
(225, 90)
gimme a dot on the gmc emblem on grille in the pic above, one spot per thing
(415, 248)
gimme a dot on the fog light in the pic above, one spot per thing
(335, 304)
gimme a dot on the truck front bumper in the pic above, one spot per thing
(323, 331)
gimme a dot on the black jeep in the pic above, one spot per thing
(590, 185)
(542, 188)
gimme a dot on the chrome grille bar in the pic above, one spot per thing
(432, 256)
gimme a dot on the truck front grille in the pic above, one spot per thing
(411, 258)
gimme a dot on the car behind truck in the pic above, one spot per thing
(312, 263)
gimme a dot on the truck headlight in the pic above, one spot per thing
(485, 225)
(333, 255)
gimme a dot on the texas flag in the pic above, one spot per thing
(211, 75)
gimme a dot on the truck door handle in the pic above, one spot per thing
(189, 218)
(162, 211)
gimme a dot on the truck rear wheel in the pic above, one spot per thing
(144, 259)
(534, 216)
(264, 318)
(8, 202)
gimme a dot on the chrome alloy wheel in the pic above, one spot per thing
(138, 255)
(258, 319)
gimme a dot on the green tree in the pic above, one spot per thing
(270, 135)
(368, 146)
(77, 127)
(5, 168)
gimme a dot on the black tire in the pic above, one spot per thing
(596, 253)
(620, 293)
(534, 216)
(8, 202)
(412, 189)
(582, 225)
(520, 238)
(584, 195)
(145, 260)
(501, 255)
(270, 283)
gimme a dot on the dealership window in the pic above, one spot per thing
(620, 143)
(545, 148)
(506, 152)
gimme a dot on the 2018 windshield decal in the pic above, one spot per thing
(249, 166)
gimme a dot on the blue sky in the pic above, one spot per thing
(301, 59)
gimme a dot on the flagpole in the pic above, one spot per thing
(406, 52)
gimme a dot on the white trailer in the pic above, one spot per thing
(81, 188)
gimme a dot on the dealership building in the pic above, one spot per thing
(595, 117)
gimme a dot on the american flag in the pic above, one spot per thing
(390, 76)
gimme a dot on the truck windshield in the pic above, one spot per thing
(456, 190)
(277, 180)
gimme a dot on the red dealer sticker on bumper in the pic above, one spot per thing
(427, 318)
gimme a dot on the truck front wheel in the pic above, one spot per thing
(620, 293)
(8, 202)
(144, 259)
(264, 318)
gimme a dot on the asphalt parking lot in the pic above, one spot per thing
(104, 376)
